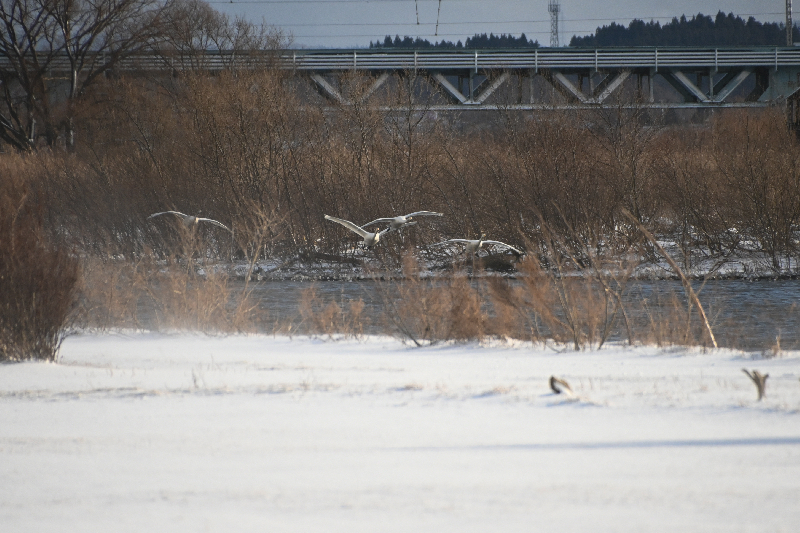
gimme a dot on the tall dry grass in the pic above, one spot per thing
(573, 307)
(187, 287)
(166, 295)
(182, 291)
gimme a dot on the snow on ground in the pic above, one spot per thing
(157, 432)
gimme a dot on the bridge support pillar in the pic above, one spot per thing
(471, 95)
(782, 84)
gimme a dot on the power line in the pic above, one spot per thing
(516, 21)
(381, 35)
(333, 2)
(414, 24)
(411, 25)
(464, 23)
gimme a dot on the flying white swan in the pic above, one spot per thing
(190, 221)
(370, 239)
(396, 223)
(473, 245)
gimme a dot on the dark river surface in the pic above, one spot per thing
(749, 315)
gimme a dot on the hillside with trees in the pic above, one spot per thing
(477, 41)
(699, 30)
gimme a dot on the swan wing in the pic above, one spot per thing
(216, 223)
(349, 225)
(498, 243)
(377, 220)
(449, 241)
(168, 213)
(424, 213)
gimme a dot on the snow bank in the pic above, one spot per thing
(141, 431)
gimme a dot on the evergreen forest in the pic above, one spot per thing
(697, 30)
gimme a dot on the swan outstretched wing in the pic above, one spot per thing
(349, 225)
(498, 243)
(377, 220)
(448, 241)
(168, 213)
(424, 213)
(216, 223)
(414, 214)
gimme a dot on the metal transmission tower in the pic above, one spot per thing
(789, 26)
(554, 7)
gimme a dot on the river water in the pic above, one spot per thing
(749, 315)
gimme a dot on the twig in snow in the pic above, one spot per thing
(759, 379)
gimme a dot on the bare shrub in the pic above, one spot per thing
(582, 307)
(346, 318)
(429, 311)
(758, 160)
(37, 280)
(699, 215)
(550, 305)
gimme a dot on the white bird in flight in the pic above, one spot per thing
(370, 238)
(473, 245)
(190, 221)
(396, 223)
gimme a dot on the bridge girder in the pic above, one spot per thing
(683, 77)
(471, 90)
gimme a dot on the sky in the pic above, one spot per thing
(356, 23)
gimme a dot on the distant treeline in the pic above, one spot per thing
(476, 41)
(700, 30)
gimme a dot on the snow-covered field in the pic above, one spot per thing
(156, 432)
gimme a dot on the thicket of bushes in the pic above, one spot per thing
(228, 145)
(38, 280)
(255, 151)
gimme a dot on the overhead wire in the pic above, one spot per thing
(461, 23)
(416, 2)
(438, 18)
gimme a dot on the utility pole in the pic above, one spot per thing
(789, 25)
(555, 8)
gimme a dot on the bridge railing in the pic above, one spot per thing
(542, 58)
(545, 58)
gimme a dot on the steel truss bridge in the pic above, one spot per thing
(530, 79)
(694, 77)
